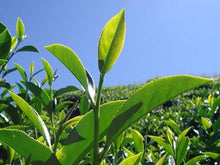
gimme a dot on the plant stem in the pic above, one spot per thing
(96, 122)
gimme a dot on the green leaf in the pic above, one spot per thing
(216, 125)
(80, 139)
(118, 141)
(149, 97)
(38, 92)
(134, 160)
(8, 71)
(65, 90)
(49, 71)
(31, 67)
(173, 125)
(20, 29)
(162, 142)
(62, 105)
(4, 84)
(71, 122)
(182, 149)
(212, 155)
(196, 159)
(206, 123)
(183, 134)
(32, 115)
(28, 48)
(128, 152)
(71, 61)
(111, 42)
(138, 140)
(25, 145)
(21, 71)
(5, 42)
(160, 162)
(2, 62)
(13, 42)
(84, 105)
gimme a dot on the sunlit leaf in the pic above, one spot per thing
(206, 123)
(25, 145)
(21, 71)
(196, 159)
(160, 162)
(13, 42)
(134, 160)
(138, 140)
(84, 105)
(149, 97)
(71, 61)
(181, 150)
(91, 86)
(20, 29)
(212, 155)
(32, 115)
(111, 42)
(49, 71)
(31, 67)
(173, 125)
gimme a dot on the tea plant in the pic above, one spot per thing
(89, 137)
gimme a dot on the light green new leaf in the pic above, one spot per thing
(20, 29)
(181, 149)
(173, 125)
(196, 159)
(25, 145)
(28, 48)
(183, 134)
(162, 142)
(21, 71)
(149, 97)
(111, 42)
(134, 160)
(160, 162)
(70, 60)
(13, 42)
(32, 115)
(5, 42)
(80, 139)
(49, 71)
(138, 140)
(212, 155)
(31, 67)
(84, 105)
(206, 123)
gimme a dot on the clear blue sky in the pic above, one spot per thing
(163, 37)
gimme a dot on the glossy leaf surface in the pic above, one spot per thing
(32, 115)
(80, 140)
(111, 42)
(28, 48)
(25, 145)
(5, 42)
(49, 71)
(134, 160)
(70, 60)
(21, 71)
(149, 97)
(20, 29)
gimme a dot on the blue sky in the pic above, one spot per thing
(163, 37)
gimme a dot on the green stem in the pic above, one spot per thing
(96, 160)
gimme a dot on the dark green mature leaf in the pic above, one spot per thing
(4, 84)
(196, 159)
(181, 149)
(21, 71)
(111, 42)
(134, 160)
(5, 42)
(74, 149)
(8, 71)
(38, 92)
(162, 142)
(149, 97)
(32, 115)
(65, 90)
(49, 71)
(28, 48)
(20, 29)
(25, 145)
(71, 61)
(2, 62)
